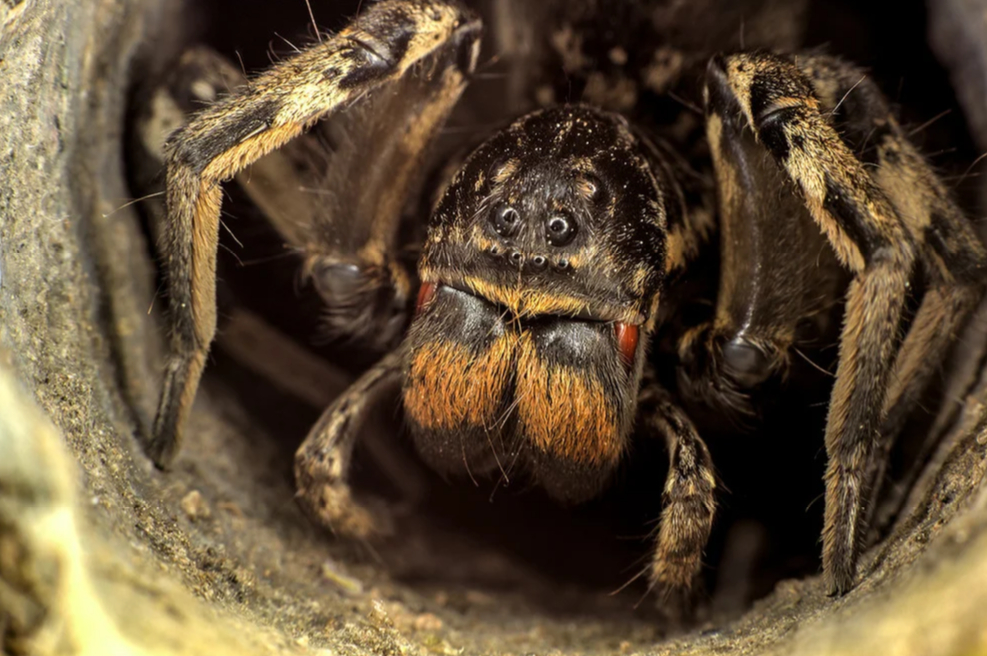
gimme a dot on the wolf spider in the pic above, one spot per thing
(549, 264)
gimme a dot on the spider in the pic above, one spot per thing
(553, 251)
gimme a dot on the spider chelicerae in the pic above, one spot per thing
(554, 248)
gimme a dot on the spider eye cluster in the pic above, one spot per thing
(560, 228)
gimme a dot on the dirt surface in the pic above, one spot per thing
(100, 553)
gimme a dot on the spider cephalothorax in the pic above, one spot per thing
(546, 267)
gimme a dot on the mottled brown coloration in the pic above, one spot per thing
(525, 302)
(322, 463)
(688, 497)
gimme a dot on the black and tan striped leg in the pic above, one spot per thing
(953, 258)
(322, 462)
(779, 103)
(688, 499)
(345, 232)
(777, 275)
(298, 187)
(392, 45)
(755, 209)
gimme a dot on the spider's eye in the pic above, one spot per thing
(505, 220)
(560, 230)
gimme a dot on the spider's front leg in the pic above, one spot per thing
(323, 461)
(688, 500)
(423, 52)
(778, 279)
(881, 225)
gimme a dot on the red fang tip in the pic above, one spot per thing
(425, 295)
(627, 336)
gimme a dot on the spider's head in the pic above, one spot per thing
(540, 277)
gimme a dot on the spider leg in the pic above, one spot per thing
(779, 103)
(370, 55)
(323, 460)
(272, 183)
(953, 258)
(299, 189)
(776, 273)
(688, 499)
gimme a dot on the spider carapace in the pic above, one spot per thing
(552, 254)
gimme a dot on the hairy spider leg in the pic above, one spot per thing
(373, 52)
(322, 463)
(688, 499)
(952, 256)
(863, 220)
